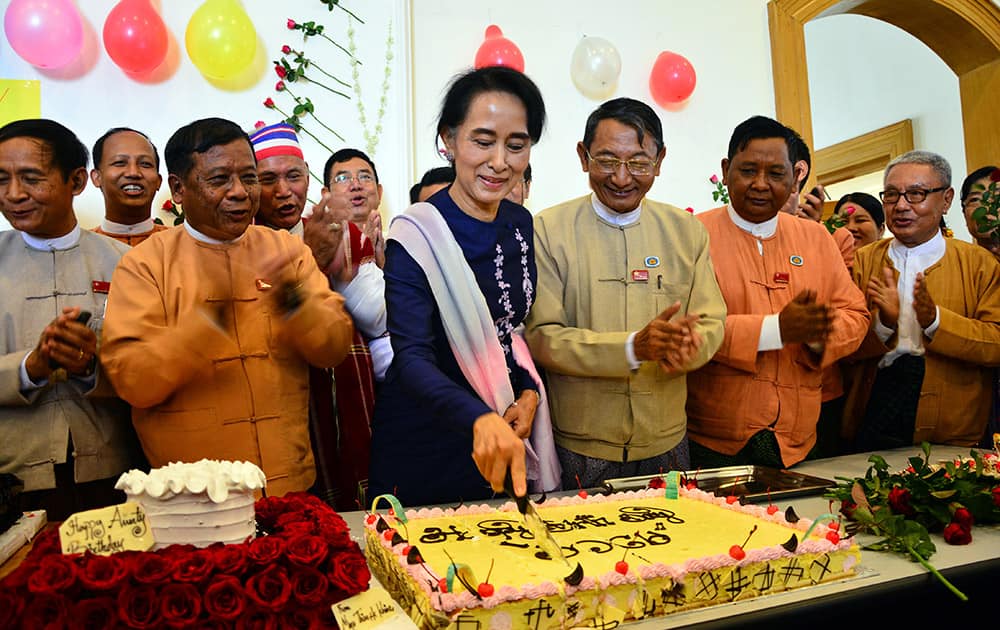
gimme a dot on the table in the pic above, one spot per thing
(889, 585)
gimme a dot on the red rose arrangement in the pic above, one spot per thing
(904, 507)
(301, 563)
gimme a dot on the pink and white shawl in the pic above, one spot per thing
(472, 335)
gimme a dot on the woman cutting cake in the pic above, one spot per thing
(460, 277)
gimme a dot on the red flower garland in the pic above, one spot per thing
(287, 578)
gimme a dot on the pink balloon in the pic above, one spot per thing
(672, 79)
(135, 36)
(497, 50)
(45, 33)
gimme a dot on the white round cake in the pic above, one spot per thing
(198, 503)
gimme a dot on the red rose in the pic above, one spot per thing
(18, 578)
(270, 589)
(46, 544)
(279, 86)
(955, 534)
(180, 605)
(996, 496)
(301, 619)
(151, 568)
(278, 70)
(45, 611)
(138, 606)
(269, 103)
(193, 567)
(53, 575)
(286, 49)
(100, 573)
(348, 572)
(259, 620)
(268, 509)
(229, 559)
(289, 518)
(899, 501)
(309, 586)
(290, 24)
(963, 517)
(296, 529)
(266, 549)
(97, 613)
(335, 533)
(307, 550)
(225, 599)
(11, 607)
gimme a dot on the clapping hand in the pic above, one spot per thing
(373, 231)
(923, 303)
(804, 320)
(883, 294)
(326, 233)
(672, 342)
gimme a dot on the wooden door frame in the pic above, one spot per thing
(964, 33)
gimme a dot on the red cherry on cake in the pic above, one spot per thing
(485, 590)
(406, 550)
(622, 567)
(833, 537)
(692, 486)
(771, 509)
(370, 519)
(443, 585)
(732, 499)
(582, 494)
(388, 534)
(834, 525)
(737, 552)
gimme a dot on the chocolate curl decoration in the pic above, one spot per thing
(574, 578)
(791, 544)
(413, 556)
(791, 516)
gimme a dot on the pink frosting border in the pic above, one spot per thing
(449, 602)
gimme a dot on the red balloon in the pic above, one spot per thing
(135, 36)
(672, 79)
(497, 50)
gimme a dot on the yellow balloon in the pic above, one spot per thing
(221, 39)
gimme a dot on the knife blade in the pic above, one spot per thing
(540, 531)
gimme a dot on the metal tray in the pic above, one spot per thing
(754, 483)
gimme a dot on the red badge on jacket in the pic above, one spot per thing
(100, 286)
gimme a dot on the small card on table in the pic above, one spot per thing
(107, 530)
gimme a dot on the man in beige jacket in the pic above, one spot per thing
(627, 304)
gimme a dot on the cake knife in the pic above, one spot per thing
(538, 529)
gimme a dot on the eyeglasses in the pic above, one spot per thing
(609, 165)
(344, 179)
(915, 195)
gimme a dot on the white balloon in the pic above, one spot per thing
(595, 67)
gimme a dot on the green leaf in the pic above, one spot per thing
(178, 220)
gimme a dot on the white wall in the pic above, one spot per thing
(725, 40)
(865, 74)
(93, 94)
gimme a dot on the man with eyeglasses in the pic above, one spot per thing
(924, 372)
(627, 304)
(211, 327)
(793, 312)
